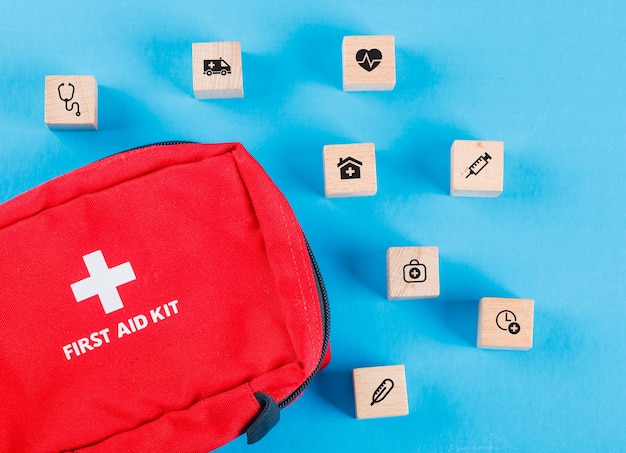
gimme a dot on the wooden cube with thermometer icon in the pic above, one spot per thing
(476, 168)
(380, 391)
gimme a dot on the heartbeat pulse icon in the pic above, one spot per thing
(369, 59)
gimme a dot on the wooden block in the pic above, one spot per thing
(505, 323)
(369, 63)
(412, 273)
(380, 391)
(476, 168)
(217, 70)
(349, 170)
(71, 102)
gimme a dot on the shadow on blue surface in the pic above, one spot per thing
(462, 286)
(336, 388)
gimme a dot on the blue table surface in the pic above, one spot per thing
(546, 78)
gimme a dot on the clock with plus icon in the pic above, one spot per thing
(506, 320)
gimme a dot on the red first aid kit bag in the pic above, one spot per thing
(163, 299)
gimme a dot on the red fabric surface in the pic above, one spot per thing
(223, 303)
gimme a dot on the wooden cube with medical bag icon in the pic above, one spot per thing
(412, 273)
(71, 102)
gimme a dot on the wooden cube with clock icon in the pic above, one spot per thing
(505, 323)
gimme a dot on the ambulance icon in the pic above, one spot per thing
(216, 67)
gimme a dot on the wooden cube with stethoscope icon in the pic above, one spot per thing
(71, 102)
(412, 272)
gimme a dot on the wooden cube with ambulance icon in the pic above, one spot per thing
(217, 70)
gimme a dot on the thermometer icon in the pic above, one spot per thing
(382, 391)
(478, 165)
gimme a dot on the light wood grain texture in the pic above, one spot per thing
(412, 272)
(349, 170)
(71, 102)
(505, 323)
(380, 391)
(217, 70)
(476, 168)
(369, 63)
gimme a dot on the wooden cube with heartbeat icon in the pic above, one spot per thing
(349, 170)
(380, 391)
(217, 70)
(368, 63)
(71, 102)
(505, 323)
(476, 168)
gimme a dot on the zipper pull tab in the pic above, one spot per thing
(266, 420)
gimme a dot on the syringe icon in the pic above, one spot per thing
(478, 165)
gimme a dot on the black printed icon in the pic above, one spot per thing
(349, 168)
(218, 66)
(66, 95)
(506, 320)
(369, 59)
(478, 165)
(414, 272)
(382, 391)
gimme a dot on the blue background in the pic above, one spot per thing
(547, 78)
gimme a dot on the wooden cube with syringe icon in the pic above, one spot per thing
(476, 168)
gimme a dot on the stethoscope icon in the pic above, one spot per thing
(69, 107)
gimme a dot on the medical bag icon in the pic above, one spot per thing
(414, 272)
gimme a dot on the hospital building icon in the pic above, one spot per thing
(349, 168)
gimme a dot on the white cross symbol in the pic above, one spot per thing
(350, 171)
(212, 65)
(103, 282)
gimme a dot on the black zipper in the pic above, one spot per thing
(174, 142)
(171, 142)
(325, 308)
